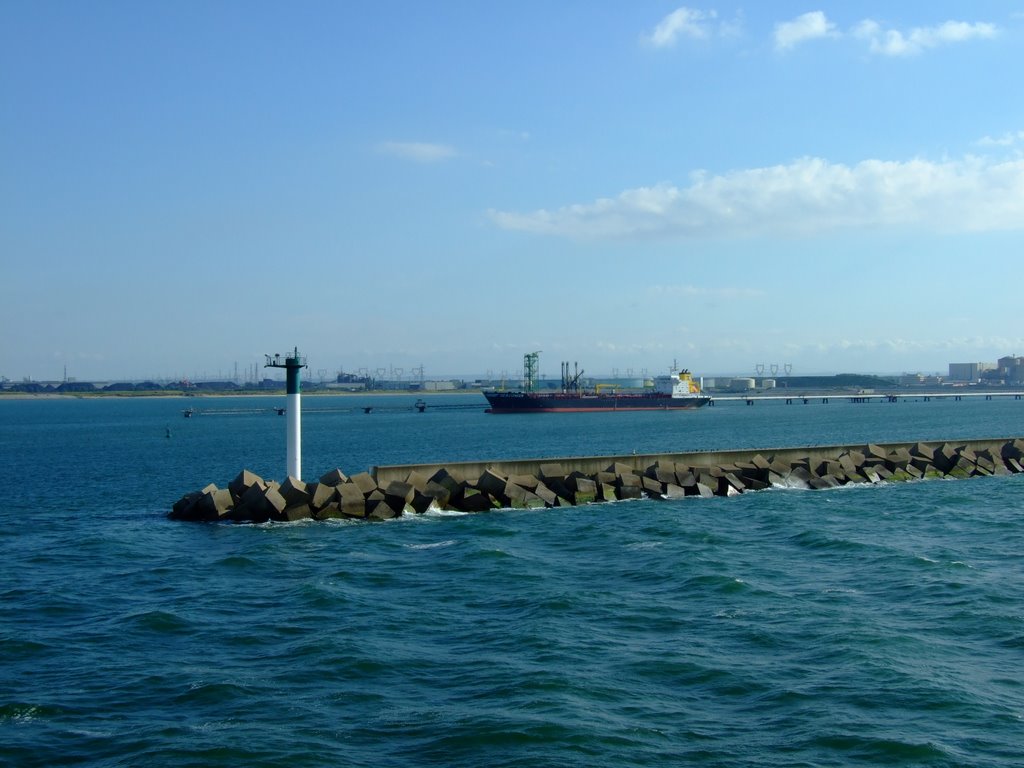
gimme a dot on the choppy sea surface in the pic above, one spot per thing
(867, 625)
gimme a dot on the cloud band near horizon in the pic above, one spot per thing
(809, 196)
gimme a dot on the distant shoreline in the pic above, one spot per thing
(193, 395)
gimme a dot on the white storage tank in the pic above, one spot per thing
(767, 383)
(742, 384)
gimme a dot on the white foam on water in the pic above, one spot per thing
(432, 545)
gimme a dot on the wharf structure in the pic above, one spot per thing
(386, 492)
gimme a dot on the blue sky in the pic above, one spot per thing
(187, 186)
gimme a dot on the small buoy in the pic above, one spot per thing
(168, 431)
(367, 409)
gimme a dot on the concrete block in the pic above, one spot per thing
(586, 490)
(574, 478)
(659, 467)
(451, 483)
(618, 468)
(922, 464)
(365, 482)
(491, 482)
(628, 480)
(850, 467)
(898, 459)
(701, 490)
(351, 502)
(334, 477)
(243, 482)
(753, 484)
(275, 501)
(750, 471)
(438, 492)
(382, 510)
(450, 479)
(258, 505)
(884, 473)
(606, 492)
(398, 494)
(217, 503)
(761, 462)
(870, 474)
(804, 463)
(549, 497)
(827, 467)
(985, 463)
(686, 479)
(295, 512)
(962, 468)
(980, 470)
(417, 480)
(474, 500)
(1013, 449)
(182, 508)
(433, 495)
(728, 484)
(421, 503)
(673, 491)
(825, 481)
(653, 488)
(944, 457)
(797, 481)
(799, 476)
(662, 475)
(1014, 465)
(923, 451)
(322, 494)
(522, 498)
(552, 470)
(330, 511)
(525, 481)
(629, 492)
(560, 489)
(374, 500)
(875, 452)
(295, 491)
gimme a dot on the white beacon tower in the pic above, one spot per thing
(292, 366)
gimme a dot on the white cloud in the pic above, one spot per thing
(808, 26)
(892, 42)
(685, 22)
(421, 152)
(1006, 140)
(806, 197)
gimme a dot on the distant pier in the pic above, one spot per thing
(864, 397)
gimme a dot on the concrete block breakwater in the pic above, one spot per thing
(390, 491)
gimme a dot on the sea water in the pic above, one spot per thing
(867, 625)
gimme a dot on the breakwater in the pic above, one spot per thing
(389, 491)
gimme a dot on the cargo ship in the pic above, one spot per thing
(677, 391)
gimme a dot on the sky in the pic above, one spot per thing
(824, 187)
